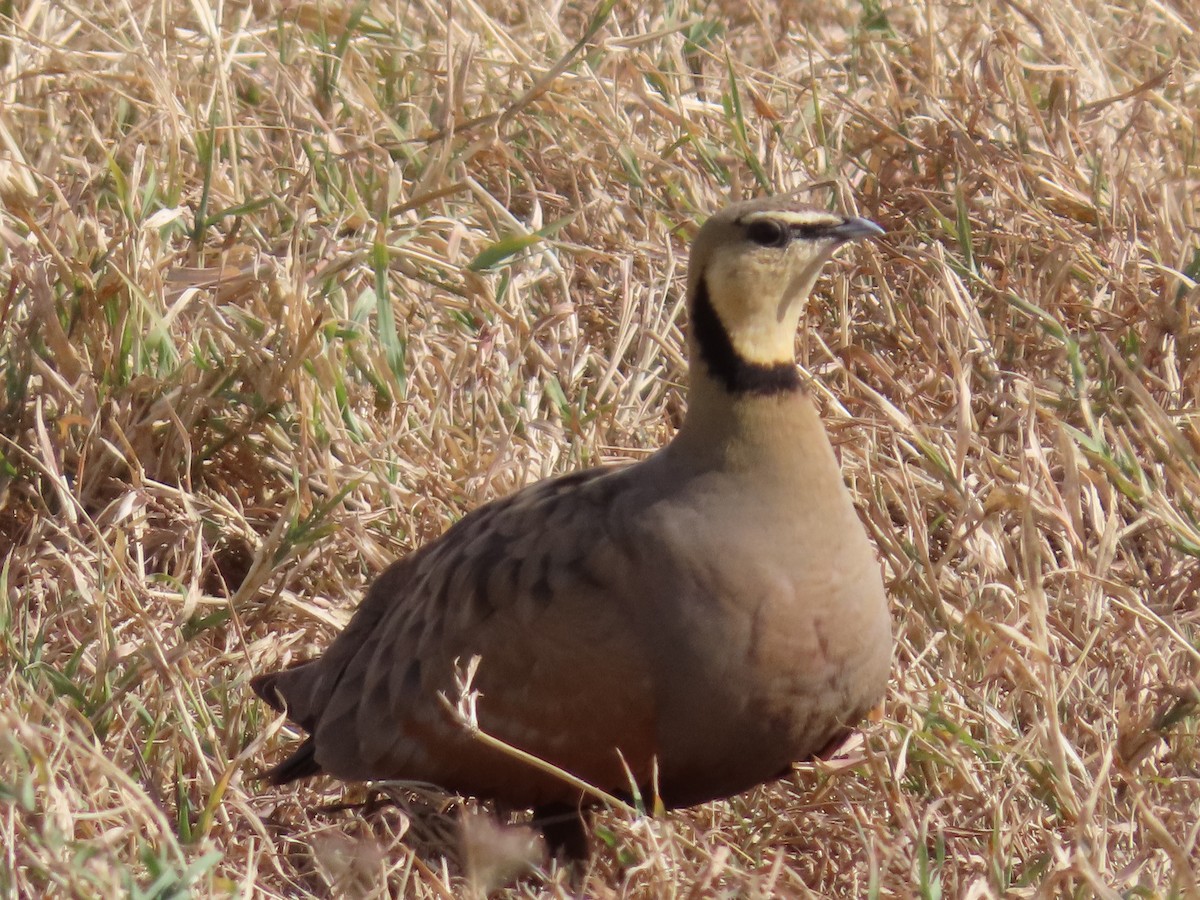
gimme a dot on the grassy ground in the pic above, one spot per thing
(286, 287)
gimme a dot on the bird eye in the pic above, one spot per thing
(768, 233)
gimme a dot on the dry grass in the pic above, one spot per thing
(286, 287)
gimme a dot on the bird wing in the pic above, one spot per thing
(538, 586)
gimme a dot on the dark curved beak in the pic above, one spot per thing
(855, 229)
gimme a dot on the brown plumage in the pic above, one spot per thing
(715, 610)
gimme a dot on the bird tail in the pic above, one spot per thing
(301, 764)
(291, 691)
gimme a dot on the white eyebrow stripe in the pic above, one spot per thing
(793, 218)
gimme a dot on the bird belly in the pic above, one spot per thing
(799, 659)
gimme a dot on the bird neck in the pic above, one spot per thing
(770, 433)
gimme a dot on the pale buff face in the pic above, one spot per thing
(757, 290)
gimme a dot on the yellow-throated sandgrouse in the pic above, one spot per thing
(715, 610)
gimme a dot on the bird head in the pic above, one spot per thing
(752, 266)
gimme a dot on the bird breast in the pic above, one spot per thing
(770, 627)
